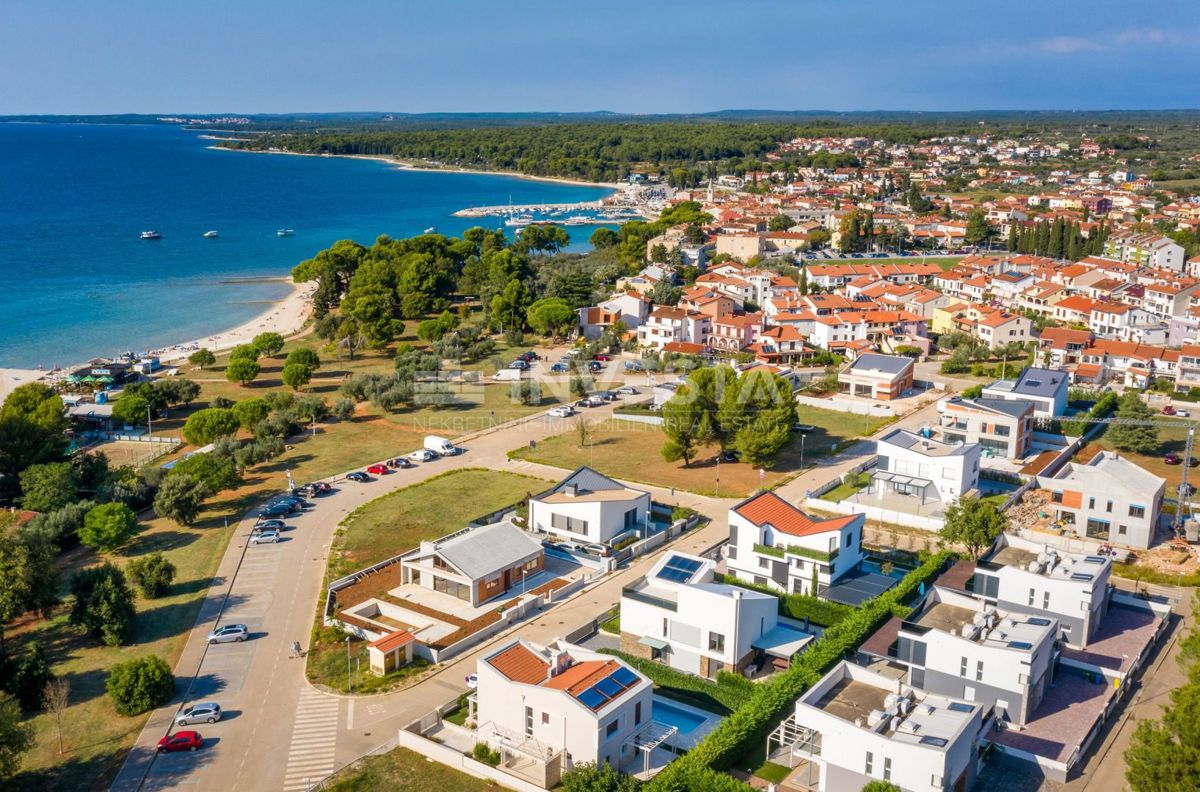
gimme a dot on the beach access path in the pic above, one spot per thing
(280, 732)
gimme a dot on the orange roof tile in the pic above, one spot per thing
(520, 664)
(392, 641)
(767, 507)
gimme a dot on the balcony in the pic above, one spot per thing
(804, 552)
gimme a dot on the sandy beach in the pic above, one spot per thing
(286, 317)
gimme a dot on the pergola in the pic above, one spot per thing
(903, 484)
(649, 737)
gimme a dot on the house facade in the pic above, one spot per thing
(476, 564)
(1109, 499)
(1003, 428)
(882, 377)
(589, 507)
(909, 464)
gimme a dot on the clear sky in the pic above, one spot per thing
(653, 56)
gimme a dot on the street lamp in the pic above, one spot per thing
(349, 684)
(802, 436)
(149, 424)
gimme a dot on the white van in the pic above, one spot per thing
(441, 446)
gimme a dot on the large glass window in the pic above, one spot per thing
(452, 587)
(716, 642)
(1137, 511)
(1097, 529)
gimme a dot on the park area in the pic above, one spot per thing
(633, 452)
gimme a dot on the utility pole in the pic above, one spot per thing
(349, 683)
(149, 424)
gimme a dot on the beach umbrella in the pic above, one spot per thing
(104, 380)
(88, 378)
(73, 378)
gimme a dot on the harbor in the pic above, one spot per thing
(635, 202)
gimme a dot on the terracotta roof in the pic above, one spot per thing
(767, 507)
(520, 664)
(392, 641)
(581, 676)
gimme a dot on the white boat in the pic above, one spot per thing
(431, 230)
(285, 232)
(151, 235)
(210, 234)
(516, 221)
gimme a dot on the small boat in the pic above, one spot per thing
(431, 230)
(518, 221)
(286, 232)
(210, 234)
(151, 235)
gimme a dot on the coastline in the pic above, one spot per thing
(413, 165)
(286, 317)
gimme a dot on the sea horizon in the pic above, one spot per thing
(83, 284)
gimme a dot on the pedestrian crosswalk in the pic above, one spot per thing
(314, 740)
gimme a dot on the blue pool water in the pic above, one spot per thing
(683, 720)
(78, 281)
(875, 567)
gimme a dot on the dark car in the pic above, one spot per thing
(729, 456)
(1172, 459)
(358, 475)
(633, 365)
(320, 488)
(558, 368)
(400, 462)
(269, 525)
(596, 365)
(276, 510)
(181, 741)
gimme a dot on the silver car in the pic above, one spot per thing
(269, 536)
(229, 633)
(202, 712)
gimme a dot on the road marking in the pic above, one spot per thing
(350, 716)
(314, 741)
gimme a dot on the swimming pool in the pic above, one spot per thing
(685, 721)
(876, 567)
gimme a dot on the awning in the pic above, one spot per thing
(782, 642)
(653, 643)
(896, 478)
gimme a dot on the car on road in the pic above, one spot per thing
(269, 536)
(472, 681)
(230, 633)
(422, 455)
(270, 525)
(180, 741)
(378, 470)
(602, 357)
(558, 368)
(562, 411)
(400, 463)
(200, 712)
(633, 365)
(358, 476)
(1168, 410)
(627, 390)
(1182, 414)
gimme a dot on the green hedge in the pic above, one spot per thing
(771, 700)
(822, 613)
(727, 694)
(1101, 409)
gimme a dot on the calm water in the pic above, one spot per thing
(74, 199)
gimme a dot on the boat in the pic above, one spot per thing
(516, 221)
(210, 234)
(431, 230)
(286, 232)
(151, 235)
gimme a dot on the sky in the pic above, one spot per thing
(652, 56)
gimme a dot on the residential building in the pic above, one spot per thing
(589, 507)
(678, 616)
(1001, 428)
(1141, 249)
(883, 377)
(1109, 499)
(1188, 374)
(561, 698)
(1063, 346)
(665, 325)
(856, 726)
(1046, 388)
(475, 564)
(909, 464)
(998, 328)
(772, 543)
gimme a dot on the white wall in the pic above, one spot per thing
(605, 519)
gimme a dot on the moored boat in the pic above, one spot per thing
(151, 235)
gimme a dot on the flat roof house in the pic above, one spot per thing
(772, 543)
(1046, 388)
(561, 698)
(910, 464)
(475, 564)
(678, 616)
(589, 507)
(873, 376)
(1109, 499)
(1001, 428)
(856, 726)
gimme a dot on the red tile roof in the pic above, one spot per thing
(392, 641)
(767, 507)
(520, 664)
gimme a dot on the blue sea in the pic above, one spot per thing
(74, 198)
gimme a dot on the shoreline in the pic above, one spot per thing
(287, 317)
(414, 165)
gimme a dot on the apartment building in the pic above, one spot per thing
(1108, 499)
(1001, 327)
(665, 325)
(1001, 428)
(589, 507)
(772, 543)
(910, 464)
(1149, 250)
(962, 646)
(1020, 576)
(882, 377)
(1045, 388)
(1188, 373)
(856, 726)
(677, 615)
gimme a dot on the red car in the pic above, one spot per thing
(180, 741)
(602, 358)
(378, 470)
(1172, 459)
(1168, 410)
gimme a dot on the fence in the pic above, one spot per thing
(590, 628)
(847, 405)
(653, 420)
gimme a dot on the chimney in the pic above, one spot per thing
(571, 489)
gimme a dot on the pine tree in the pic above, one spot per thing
(1133, 437)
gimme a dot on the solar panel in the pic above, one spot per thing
(1093, 560)
(608, 688)
(1039, 621)
(624, 677)
(591, 699)
(674, 575)
(686, 564)
(1081, 576)
(958, 706)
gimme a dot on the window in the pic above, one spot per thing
(1109, 507)
(978, 670)
(1097, 529)
(545, 718)
(849, 538)
(664, 628)
(611, 728)
(529, 721)
(716, 642)
(631, 518)
(1056, 497)
(962, 668)
(1091, 503)
(764, 563)
(1121, 530)
(1032, 595)
(1137, 511)
(887, 769)
(870, 765)
(571, 524)
(637, 713)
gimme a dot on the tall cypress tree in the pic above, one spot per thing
(1012, 237)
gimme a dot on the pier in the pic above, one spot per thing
(500, 211)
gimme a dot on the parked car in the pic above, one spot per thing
(627, 390)
(320, 488)
(1172, 459)
(562, 411)
(269, 536)
(529, 356)
(230, 633)
(400, 463)
(729, 456)
(303, 491)
(1182, 414)
(593, 401)
(1168, 410)
(633, 365)
(276, 510)
(201, 712)
(595, 365)
(180, 741)
(423, 455)
(518, 364)
(558, 368)
(804, 428)
(270, 525)
(602, 357)
(608, 395)
(358, 476)
(378, 469)
(472, 681)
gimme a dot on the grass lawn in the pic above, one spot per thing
(632, 452)
(843, 491)
(401, 768)
(775, 773)
(400, 520)
(1171, 441)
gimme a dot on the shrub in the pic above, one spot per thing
(484, 754)
(153, 574)
(28, 677)
(140, 685)
(103, 603)
(822, 613)
(727, 694)
(108, 526)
